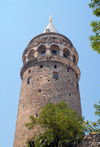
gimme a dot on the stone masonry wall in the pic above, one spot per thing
(42, 89)
(91, 140)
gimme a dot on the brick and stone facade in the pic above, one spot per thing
(91, 140)
(49, 74)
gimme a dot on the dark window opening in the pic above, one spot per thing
(67, 69)
(47, 30)
(55, 76)
(41, 66)
(36, 115)
(68, 80)
(43, 52)
(48, 80)
(64, 55)
(69, 94)
(39, 90)
(54, 52)
(29, 71)
(29, 80)
(55, 66)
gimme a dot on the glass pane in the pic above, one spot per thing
(43, 53)
(54, 52)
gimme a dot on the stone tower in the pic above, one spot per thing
(49, 74)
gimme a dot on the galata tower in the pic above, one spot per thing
(49, 74)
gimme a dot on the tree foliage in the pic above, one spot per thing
(95, 38)
(95, 5)
(93, 127)
(97, 112)
(59, 124)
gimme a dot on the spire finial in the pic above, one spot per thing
(50, 18)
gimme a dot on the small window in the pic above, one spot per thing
(29, 71)
(29, 80)
(47, 30)
(41, 66)
(67, 69)
(68, 80)
(43, 52)
(64, 55)
(39, 90)
(55, 76)
(69, 94)
(55, 66)
(36, 115)
(54, 52)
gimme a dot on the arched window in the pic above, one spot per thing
(55, 75)
(42, 50)
(66, 53)
(31, 54)
(54, 52)
(29, 80)
(54, 49)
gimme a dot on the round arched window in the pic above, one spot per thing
(54, 52)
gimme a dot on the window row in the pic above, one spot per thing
(55, 76)
(55, 66)
(54, 50)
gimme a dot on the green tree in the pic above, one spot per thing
(95, 38)
(97, 112)
(61, 125)
(93, 127)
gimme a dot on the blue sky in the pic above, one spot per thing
(20, 21)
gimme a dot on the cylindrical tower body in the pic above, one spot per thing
(49, 74)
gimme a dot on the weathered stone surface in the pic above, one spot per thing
(91, 140)
(43, 88)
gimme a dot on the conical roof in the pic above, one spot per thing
(50, 27)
